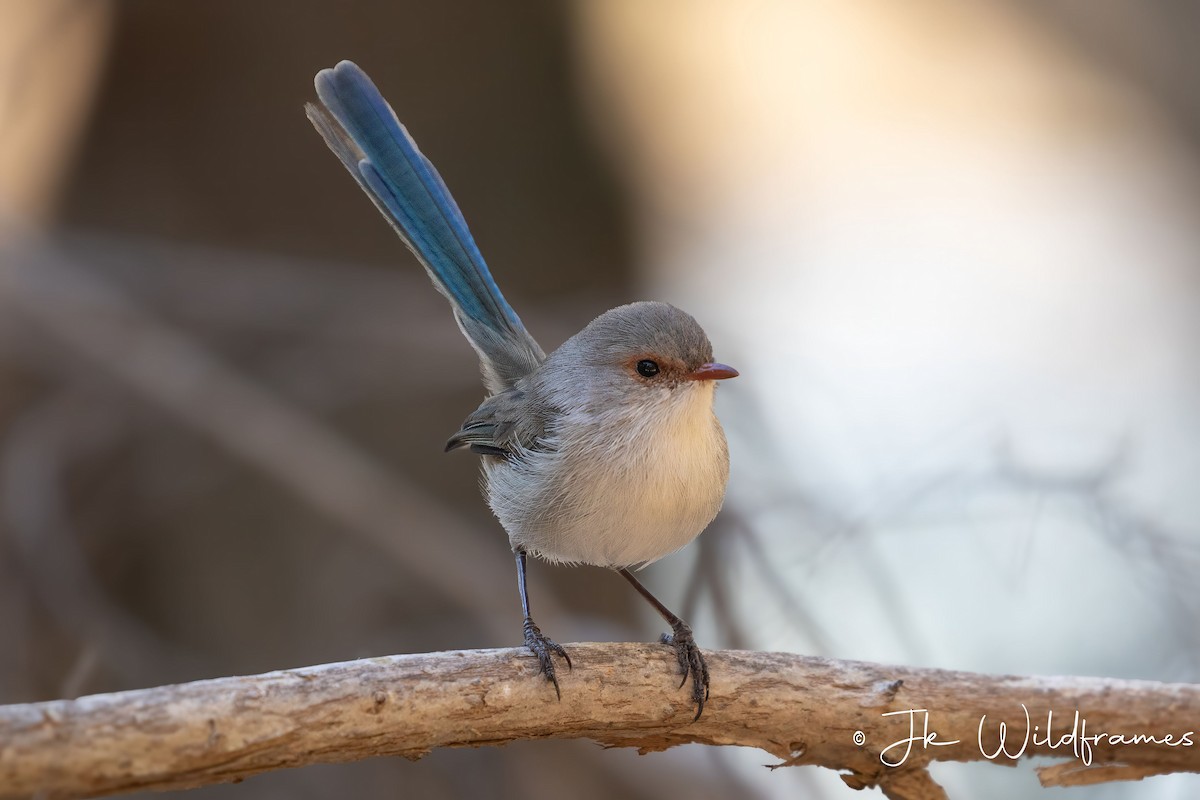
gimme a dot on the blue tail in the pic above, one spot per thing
(362, 130)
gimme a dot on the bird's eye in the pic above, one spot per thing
(647, 368)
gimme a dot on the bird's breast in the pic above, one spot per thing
(619, 487)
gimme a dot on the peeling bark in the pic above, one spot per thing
(805, 711)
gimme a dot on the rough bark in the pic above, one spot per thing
(838, 714)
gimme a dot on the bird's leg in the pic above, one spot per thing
(541, 645)
(691, 661)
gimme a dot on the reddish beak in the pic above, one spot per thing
(711, 372)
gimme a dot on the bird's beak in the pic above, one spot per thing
(711, 372)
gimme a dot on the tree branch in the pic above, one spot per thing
(802, 710)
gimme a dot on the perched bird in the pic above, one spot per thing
(606, 451)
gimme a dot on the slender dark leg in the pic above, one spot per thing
(542, 646)
(691, 661)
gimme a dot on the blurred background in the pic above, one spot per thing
(953, 247)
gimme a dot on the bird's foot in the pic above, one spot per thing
(691, 662)
(545, 649)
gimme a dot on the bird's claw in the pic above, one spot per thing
(545, 649)
(691, 662)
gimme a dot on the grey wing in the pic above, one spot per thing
(503, 424)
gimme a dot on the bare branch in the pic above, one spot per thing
(838, 714)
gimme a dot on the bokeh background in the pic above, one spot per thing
(953, 246)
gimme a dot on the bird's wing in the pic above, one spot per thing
(504, 424)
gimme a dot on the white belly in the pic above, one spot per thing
(616, 500)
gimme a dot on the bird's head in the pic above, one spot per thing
(641, 353)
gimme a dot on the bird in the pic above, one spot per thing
(605, 452)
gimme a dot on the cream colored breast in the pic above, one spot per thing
(623, 489)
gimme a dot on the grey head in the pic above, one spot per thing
(638, 352)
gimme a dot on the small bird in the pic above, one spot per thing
(605, 452)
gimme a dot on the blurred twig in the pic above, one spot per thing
(1173, 556)
(806, 711)
(35, 510)
(105, 326)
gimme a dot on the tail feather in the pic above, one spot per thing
(362, 130)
